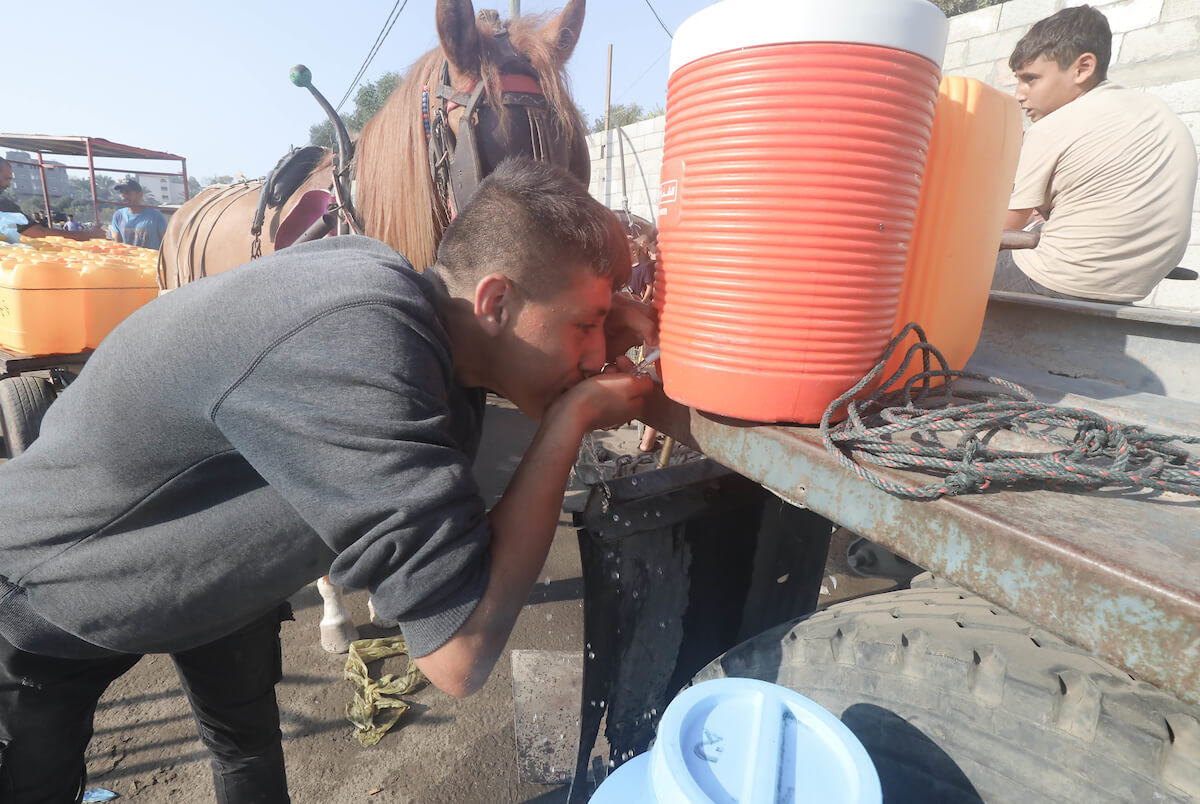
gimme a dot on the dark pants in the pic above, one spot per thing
(47, 706)
(1009, 277)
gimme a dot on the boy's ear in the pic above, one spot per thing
(494, 303)
(1084, 69)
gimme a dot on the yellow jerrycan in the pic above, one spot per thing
(960, 216)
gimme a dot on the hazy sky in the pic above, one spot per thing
(209, 80)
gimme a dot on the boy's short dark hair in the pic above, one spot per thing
(1064, 37)
(531, 222)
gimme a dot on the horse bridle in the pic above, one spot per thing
(456, 161)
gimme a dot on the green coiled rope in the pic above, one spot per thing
(1095, 453)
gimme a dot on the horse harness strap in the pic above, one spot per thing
(454, 161)
(283, 180)
(187, 267)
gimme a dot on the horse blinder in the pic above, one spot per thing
(458, 164)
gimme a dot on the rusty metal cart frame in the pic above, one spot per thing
(1103, 574)
(1112, 573)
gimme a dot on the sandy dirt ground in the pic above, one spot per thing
(444, 750)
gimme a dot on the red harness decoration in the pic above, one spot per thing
(509, 82)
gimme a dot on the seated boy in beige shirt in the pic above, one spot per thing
(1111, 170)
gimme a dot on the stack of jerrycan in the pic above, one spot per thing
(797, 137)
(60, 296)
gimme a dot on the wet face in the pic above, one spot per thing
(1043, 86)
(554, 343)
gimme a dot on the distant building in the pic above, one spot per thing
(27, 179)
(167, 189)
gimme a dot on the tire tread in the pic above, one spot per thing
(994, 691)
(24, 400)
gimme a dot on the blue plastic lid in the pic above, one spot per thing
(746, 741)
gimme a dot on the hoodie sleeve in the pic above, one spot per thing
(349, 418)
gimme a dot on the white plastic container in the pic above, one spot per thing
(750, 742)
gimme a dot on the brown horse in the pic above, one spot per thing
(396, 197)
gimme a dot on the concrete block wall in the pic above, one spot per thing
(641, 144)
(1156, 48)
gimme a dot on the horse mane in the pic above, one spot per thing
(395, 196)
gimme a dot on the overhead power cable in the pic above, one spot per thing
(621, 95)
(386, 29)
(660, 22)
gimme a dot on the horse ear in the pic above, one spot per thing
(458, 35)
(562, 32)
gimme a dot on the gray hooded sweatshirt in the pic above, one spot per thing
(237, 438)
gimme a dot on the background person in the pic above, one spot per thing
(33, 228)
(1112, 171)
(643, 251)
(136, 223)
(318, 409)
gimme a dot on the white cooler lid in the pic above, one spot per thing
(736, 740)
(916, 26)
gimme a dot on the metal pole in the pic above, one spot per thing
(92, 176)
(605, 151)
(621, 152)
(665, 458)
(45, 192)
(608, 95)
(514, 9)
(186, 195)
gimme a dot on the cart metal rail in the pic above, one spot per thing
(11, 365)
(93, 148)
(1114, 573)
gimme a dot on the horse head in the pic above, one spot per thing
(493, 89)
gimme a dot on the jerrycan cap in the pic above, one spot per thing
(746, 741)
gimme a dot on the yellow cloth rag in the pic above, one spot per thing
(376, 705)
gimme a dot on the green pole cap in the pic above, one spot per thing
(301, 76)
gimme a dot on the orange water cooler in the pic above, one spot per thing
(796, 139)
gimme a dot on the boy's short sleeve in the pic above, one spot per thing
(1035, 170)
(355, 421)
(114, 228)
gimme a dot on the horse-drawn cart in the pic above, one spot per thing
(30, 379)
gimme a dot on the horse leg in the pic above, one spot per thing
(377, 620)
(337, 631)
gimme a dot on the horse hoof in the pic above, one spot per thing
(337, 636)
(378, 621)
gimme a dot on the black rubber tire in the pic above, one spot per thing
(23, 402)
(958, 700)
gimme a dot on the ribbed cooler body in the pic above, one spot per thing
(790, 180)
